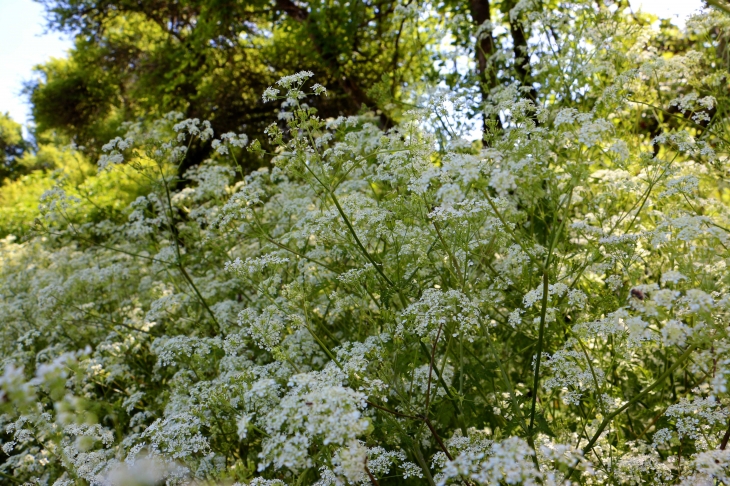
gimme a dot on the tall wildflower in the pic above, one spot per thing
(396, 305)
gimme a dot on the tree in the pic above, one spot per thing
(212, 59)
(12, 146)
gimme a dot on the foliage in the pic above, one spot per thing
(211, 59)
(77, 97)
(101, 196)
(136, 61)
(208, 59)
(12, 145)
(399, 305)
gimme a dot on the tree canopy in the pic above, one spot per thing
(12, 145)
(212, 60)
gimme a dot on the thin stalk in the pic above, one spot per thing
(300, 255)
(430, 368)
(725, 439)
(319, 341)
(681, 359)
(378, 266)
(593, 373)
(422, 462)
(11, 478)
(200, 297)
(179, 263)
(643, 200)
(452, 258)
(370, 475)
(509, 230)
(540, 341)
(93, 243)
(543, 312)
(452, 399)
(393, 412)
(508, 383)
(324, 347)
(424, 419)
(438, 438)
(714, 3)
(344, 217)
(653, 421)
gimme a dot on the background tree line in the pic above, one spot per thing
(210, 59)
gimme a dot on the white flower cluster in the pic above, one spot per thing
(264, 327)
(485, 462)
(311, 411)
(396, 305)
(356, 464)
(229, 139)
(452, 312)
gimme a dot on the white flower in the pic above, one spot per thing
(451, 310)
(265, 327)
(674, 333)
(297, 79)
(270, 94)
(243, 423)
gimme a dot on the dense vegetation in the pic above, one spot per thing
(464, 244)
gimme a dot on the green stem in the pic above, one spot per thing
(593, 374)
(454, 263)
(200, 297)
(378, 266)
(543, 312)
(540, 341)
(443, 384)
(331, 193)
(508, 383)
(682, 358)
(508, 229)
(422, 462)
(11, 478)
(179, 262)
